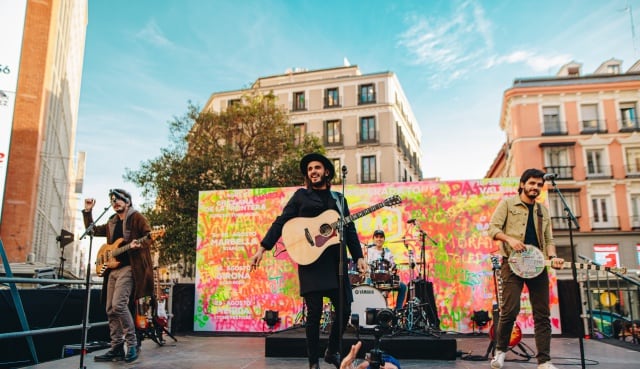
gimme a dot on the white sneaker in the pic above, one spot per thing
(547, 365)
(498, 360)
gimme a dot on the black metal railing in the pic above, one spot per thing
(593, 126)
(369, 98)
(554, 128)
(605, 223)
(632, 170)
(563, 171)
(598, 171)
(629, 125)
(332, 102)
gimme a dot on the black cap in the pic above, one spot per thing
(317, 157)
(378, 232)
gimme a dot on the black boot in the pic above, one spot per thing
(132, 354)
(332, 358)
(115, 354)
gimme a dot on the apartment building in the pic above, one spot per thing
(40, 196)
(364, 120)
(585, 128)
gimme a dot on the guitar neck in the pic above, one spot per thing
(364, 212)
(127, 247)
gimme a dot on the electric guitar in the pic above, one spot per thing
(106, 258)
(530, 263)
(516, 333)
(161, 317)
(306, 238)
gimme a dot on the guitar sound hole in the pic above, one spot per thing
(326, 230)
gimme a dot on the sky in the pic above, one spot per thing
(146, 60)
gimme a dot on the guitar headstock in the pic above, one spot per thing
(393, 200)
(495, 262)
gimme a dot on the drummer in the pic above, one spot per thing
(380, 252)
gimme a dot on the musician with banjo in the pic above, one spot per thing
(524, 227)
(317, 253)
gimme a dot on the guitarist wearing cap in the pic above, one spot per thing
(519, 221)
(129, 276)
(318, 278)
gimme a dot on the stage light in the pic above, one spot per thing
(271, 318)
(480, 318)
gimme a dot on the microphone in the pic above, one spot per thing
(550, 176)
(411, 221)
(344, 169)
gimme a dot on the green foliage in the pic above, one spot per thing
(250, 145)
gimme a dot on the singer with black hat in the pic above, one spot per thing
(320, 278)
(131, 279)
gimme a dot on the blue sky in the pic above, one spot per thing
(144, 60)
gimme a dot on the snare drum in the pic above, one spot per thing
(380, 271)
(366, 297)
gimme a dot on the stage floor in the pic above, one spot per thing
(204, 352)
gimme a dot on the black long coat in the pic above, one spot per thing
(322, 274)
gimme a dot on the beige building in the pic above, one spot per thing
(364, 120)
(42, 185)
(584, 128)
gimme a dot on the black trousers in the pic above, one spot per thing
(314, 301)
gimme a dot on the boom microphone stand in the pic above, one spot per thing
(87, 295)
(571, 221)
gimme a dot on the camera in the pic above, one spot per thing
(384, 319)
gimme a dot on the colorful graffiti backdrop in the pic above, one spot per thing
(454, 215)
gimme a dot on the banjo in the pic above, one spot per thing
(530, 263)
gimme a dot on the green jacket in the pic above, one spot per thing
(510, 217)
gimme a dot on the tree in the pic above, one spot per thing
(250, 145)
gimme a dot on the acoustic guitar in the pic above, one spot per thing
(530, 263)
(306, 238)
(106, 258)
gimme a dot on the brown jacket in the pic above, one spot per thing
(135, 225)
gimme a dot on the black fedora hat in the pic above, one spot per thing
(317, 157)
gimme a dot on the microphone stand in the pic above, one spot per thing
(572, 221)
(87, 295)
(341, 266)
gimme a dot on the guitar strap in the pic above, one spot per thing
(540, 239)
(334, 194)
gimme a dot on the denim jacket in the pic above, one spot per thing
(510, 217)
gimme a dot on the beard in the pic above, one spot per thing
(321, 183)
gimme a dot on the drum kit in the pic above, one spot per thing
(371, 289)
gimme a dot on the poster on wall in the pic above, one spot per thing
(457, 252)
(606, 254)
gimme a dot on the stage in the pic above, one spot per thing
(402, 345)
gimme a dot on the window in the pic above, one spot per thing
(331, 98)
(367, 129)
(601, 217)
(551, 119)
(589, 118)
(635, 210)
(298, 101)
(632, 156)
(233, 102)
(628, 118)
(369, 169)
(558, 160)
(299, 131)
(595, 165)
(367, 94)
(556, 208)
(333, 132)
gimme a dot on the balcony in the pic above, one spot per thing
(298, 106)
(554, 128)
(332, 102)
(629, 125)
(369, 140)
(632, 170)
(368, 178)
(605, 223)
(364, 99)
(598, 172)
(560, 224)
(593, 126)
(635, 221)
(564, 172)
(333, 142)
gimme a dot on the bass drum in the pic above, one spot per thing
(366, 297)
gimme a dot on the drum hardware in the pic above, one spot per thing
(403, 240)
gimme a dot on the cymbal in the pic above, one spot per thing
(403, 240)
(409, 263)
